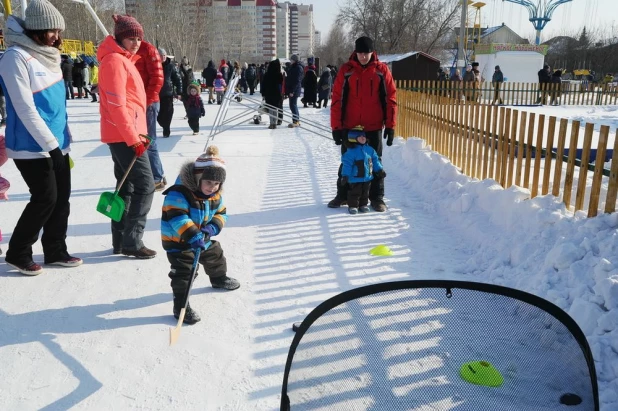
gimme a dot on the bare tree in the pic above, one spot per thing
(337, 47)
(400, 25)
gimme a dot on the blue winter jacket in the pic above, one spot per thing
(294, 79)
(359, 163)
(184, 212)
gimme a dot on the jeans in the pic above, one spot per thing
(137, 193)
(68, 85)
(294, 108)
(48, 209)
(152, 112)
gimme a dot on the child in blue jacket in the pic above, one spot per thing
(193, 213)
(360, 163)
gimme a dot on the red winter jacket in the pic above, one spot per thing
(364, 96)
(151, 70)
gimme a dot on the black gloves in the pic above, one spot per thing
(379, 174)
(389, 135)
(339, 136)
(57, 158)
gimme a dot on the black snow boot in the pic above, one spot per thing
(337, 202)
(191, 316)
(225, 282)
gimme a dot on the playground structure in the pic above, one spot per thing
(540, 14)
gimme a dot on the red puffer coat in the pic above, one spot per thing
(364, 96)
(151, 70)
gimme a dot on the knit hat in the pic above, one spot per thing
(363, 45)
(125, 27)
(294, 57)
(210, 165)
(355, 133)
(497, 67)
(42, 15)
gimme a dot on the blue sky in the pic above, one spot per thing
(567, 17)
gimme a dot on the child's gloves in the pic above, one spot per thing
(344, 181)
(379, 174)
(198, 242)
(389, 135)
(209, 230)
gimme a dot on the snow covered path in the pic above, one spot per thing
(95, 337)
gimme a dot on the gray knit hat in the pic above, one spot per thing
(42, 15)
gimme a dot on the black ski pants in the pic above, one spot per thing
(181, 264)
(48, 209)
(166, 112)
(194, 123)
(358, 194)
(376, 191)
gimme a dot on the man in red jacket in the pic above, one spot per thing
(364, 94)
(151, 71)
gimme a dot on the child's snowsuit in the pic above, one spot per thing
(195, 109)
(359, 162)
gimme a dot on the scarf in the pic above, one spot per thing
(15, 36)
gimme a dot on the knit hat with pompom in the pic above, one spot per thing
(210, 165)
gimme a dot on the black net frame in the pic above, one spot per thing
(448, 289)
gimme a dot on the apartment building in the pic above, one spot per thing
(283, 30)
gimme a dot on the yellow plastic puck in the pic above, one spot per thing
(381, 250)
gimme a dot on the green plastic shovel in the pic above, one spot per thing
(110, 204)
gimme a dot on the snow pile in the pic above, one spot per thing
(532, 245)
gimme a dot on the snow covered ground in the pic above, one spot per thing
(96, 337)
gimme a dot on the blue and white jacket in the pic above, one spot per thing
(359, 163)
(35, 106)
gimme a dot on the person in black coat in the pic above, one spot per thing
(271, 88)
(324, 86)
(67, 76)
(171, 89)
(544, 81)
(293, 82)
(78, 76)
(310, 86)
(186, 76)
(251, 77)
(209, 74)
(556, 87)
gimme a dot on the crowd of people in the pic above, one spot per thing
(135, 85)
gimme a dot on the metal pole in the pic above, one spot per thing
(7, 8)
(93, 14)
(461, 56)
(24, 4)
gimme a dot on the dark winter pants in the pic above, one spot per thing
(48, 209)
(166, 112)
(181, 263)
(194, 123)
(325, 100)
(68, 85)
(358, 194)
(376, 192)
(137, 193)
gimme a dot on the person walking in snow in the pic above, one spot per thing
(360, 165)
(496, 80)
(170, 90)
(310, 87)
(37, 136)
(194, 213)
(186, 76)
(209, 74)
(151, 71)
(224, 69)
(271, 89)
(364, 94)
(123, 129)
(324, 87)
(220, 87)
(94, 81)
(293, 82)
(195, 108)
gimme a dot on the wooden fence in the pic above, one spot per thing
(487, 141)
(519, 94)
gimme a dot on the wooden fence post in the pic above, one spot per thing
(583, 168)
(559, 154)
(612, 185)
(599, 163)
(537, 156)
(548, 157)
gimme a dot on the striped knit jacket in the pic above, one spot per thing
(184, 212)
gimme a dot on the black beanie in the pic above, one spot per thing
(363, 45)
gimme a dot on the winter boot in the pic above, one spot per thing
(191, 316)
(378, 205)
(352, 210)
(143, 253)
(336, 203)
(363, 209)
(225, 282)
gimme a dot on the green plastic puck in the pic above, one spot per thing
(481, 373)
